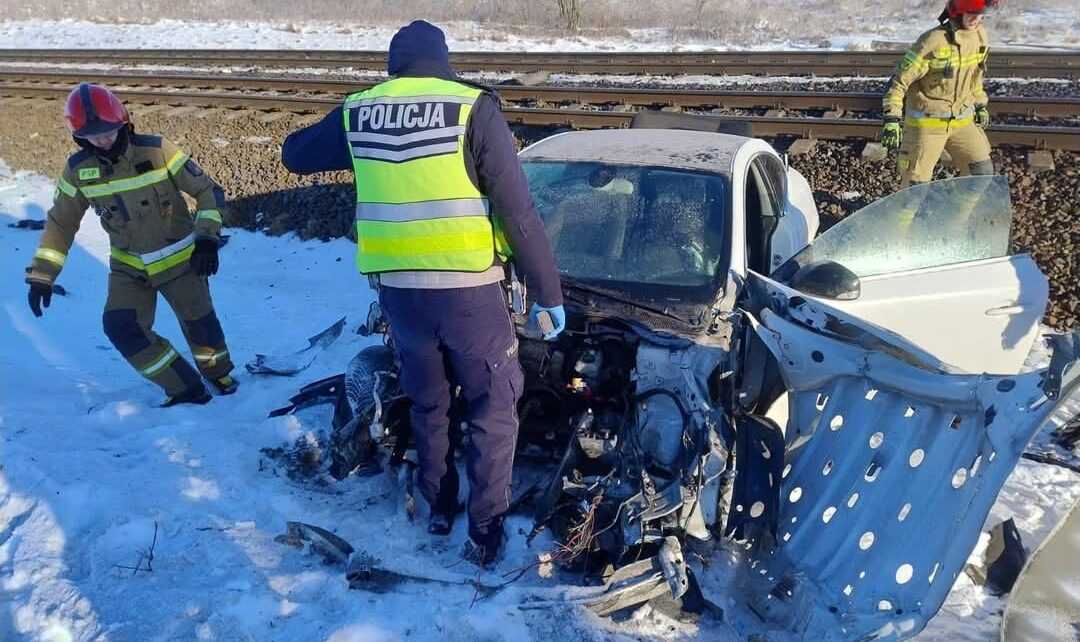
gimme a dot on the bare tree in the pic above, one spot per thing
(570, 13)
(697, 10)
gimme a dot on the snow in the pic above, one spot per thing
(91, 468)
(166, 34)
(90, 465)
(1049, 29)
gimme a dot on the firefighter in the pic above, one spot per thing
(437, 182)
(134, 182)
(941, 79)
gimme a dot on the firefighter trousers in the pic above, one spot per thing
(129, 320)
(460, 337)
(967, 145)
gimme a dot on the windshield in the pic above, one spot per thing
(938, 223)
(632, 225)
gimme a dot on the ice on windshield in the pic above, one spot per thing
(629, 223)
(929, 225)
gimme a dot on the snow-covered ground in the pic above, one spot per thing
(1029, 29)
(90, 468)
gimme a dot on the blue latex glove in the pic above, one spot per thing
(558, 318)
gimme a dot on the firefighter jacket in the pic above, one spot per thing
(941, 76)
(417, 209)
(138, 199)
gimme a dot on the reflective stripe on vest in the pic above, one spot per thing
(416, 207)
(135, 182)
(157, 261)
(403, 212)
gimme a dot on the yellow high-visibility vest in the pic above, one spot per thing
(416, 207)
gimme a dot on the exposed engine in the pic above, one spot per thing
(640, 460)
(622, 420)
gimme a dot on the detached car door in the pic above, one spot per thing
(931, 263)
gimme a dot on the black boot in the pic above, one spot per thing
(225, 385)
(440, 523)
(195, 395)
(483, 549)
(482, 555)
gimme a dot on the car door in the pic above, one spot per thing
(931, 264)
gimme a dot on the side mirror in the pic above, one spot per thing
(827, 279)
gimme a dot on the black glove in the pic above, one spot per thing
(39, 293)
(204, 260)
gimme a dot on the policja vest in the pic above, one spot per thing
(416, 207)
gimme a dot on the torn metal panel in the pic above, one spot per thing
(891, 471)
(287, 365)
(755, 500)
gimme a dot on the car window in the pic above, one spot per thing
(938, 223)
(630, 223)
(774, 175)
(764, 203)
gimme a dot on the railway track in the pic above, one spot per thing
(545, 95)
(578, 107)
(1032, 64)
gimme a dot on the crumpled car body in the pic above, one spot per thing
(842, 410)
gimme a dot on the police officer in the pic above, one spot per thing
(941, 77)
(439, 192)
(133, 183)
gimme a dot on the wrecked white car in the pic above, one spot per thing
(843, 411)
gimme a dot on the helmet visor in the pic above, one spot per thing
(96, 127)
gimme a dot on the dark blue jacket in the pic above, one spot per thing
(490, 159)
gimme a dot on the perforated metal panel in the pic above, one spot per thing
(890, 473)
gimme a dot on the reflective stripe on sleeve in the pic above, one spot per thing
(52, 256)
(210, 215)
(66, 187)
(176, 162)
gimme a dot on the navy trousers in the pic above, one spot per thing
(460, 337)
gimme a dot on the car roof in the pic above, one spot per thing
(683, 149)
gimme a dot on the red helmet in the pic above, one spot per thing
(92, 110)
(956, 8)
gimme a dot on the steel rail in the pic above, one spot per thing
(543, 95)
(1012, 63)
(1064, 138)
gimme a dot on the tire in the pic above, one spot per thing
(351, 443)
